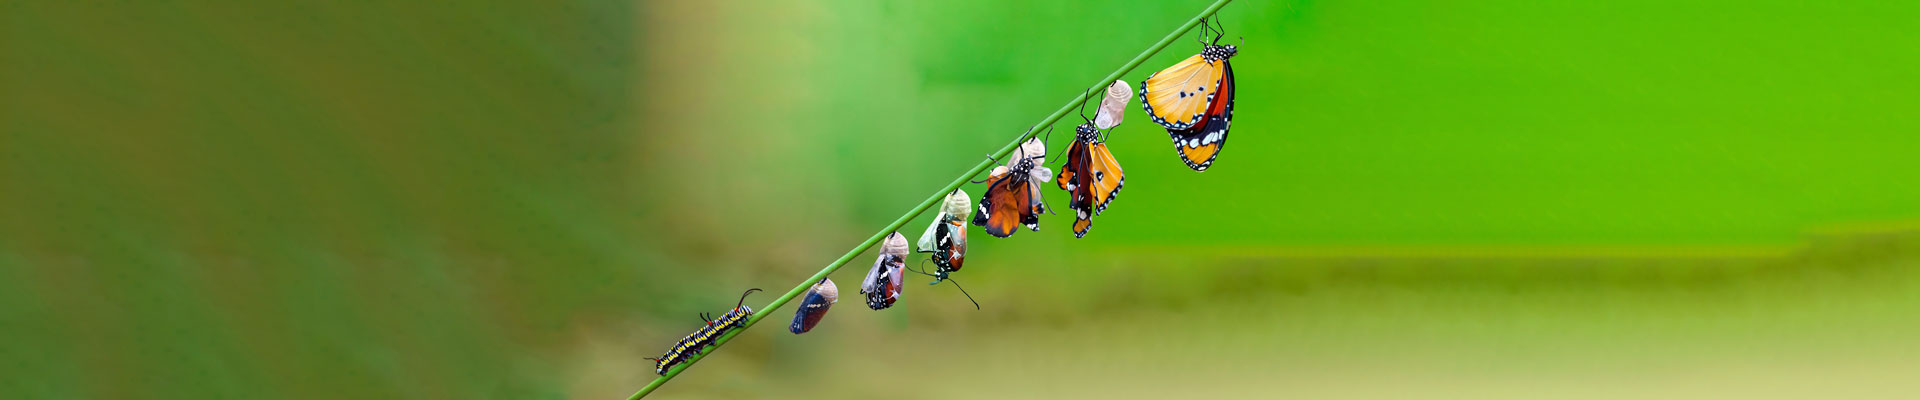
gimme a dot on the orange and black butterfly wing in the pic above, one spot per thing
(1105, 177)
(950, 250)
(1066, 178)
(1074, 176)
(1102, 180)
(1199, 145)
(957, 247)
(1178, 97)
(1002, 207)
(1030, 215)
(1081, 223)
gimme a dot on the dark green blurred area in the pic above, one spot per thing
(522, 200)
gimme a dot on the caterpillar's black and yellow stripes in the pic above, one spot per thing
(700, 338)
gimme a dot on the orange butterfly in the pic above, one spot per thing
(1193, 99)
(1091, 176)
(1013, 197)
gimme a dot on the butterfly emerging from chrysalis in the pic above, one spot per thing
(1193, 99)
(1091, 177)
(946, 238)
(883, 283)
(1013, 194)
(701, 338)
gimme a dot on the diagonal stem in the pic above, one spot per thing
(1098, 87)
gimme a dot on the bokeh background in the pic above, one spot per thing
(1420, 199)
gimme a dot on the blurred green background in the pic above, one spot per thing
(1420, 199)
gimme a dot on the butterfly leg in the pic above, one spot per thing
(990, 161)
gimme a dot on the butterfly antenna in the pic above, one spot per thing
(963, 291)
(743, 297)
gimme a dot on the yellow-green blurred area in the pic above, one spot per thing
(1419, 199)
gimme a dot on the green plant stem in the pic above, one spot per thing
(936, 198)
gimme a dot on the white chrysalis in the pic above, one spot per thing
(1035, 150)
(1112, 105)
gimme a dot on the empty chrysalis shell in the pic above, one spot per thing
(1110, 107)
(814, 306)
(1036, 150)
(1033, 149)
(957, 207)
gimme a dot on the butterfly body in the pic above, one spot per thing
(1013, 192)
(1091, 177)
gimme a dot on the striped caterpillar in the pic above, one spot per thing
(700, 338)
